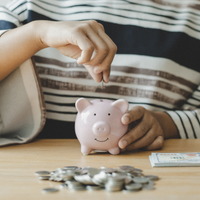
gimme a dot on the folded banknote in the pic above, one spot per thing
(175, 159)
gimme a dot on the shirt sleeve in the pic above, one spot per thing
(22, 108)
(187, 120)
(12, 16)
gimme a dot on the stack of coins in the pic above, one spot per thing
(124, 178)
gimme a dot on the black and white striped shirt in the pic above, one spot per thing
(157, 64)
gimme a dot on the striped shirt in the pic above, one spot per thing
(157, 64)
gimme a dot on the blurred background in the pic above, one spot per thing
(4, 2)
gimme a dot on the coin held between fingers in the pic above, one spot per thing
(102, 84)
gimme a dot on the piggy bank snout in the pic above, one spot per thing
(101, 128)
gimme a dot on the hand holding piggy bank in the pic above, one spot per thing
(98, 124)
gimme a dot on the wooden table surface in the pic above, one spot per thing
(19, 163)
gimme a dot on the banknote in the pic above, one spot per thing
(175, 159)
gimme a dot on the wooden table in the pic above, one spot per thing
(19, 163)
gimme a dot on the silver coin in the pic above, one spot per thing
(102, 84)
(85, 179)
(74, 183)
(141, 180)
(83, 171)
(109, 170)
(76, 188)
(101, 178)
(137, 170)
(63, 185)
(119, 179)
(93, 187)
(44, 177)
(49, 190)
(114, 183)
(70, 167)
(51, 178)
(148, 187)
(126, 168)
(151, 182)
(58, 179)
(152, 177)
(119, 173)
(40, 173)
(126, 178)
(133, 186)
(129, 191)
(135, 174)
(113, 189)
(93, 171)
(71, 181)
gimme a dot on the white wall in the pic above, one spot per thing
(4, 2)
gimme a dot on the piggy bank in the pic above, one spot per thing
(98, 124)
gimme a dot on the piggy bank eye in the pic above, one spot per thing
(95, 114)
(108, 114)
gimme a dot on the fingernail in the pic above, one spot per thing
(124, 143)
(126, 120)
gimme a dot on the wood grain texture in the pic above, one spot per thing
(19, 163)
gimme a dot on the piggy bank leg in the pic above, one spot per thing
(114, 150)
(85, 150)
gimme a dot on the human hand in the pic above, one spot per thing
(145, 131)
(85, 41)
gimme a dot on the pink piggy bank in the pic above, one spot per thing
(98, 124)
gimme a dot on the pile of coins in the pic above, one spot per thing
(125, 178)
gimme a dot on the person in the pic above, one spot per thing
(145, 51)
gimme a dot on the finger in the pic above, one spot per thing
(138, 131)
(70, 50)
(156, 144)
(141, 129)
(134, 114)
(106, 75)
(106, 63)
(97, 77)
(101, 48)
(143, 141)
(86, 46)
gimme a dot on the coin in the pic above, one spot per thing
(125, 178)
(137, 170)
(63, 185)
(49, 190)
(109, 170)
(152, 177)
(44, 177)
(133, 186)
(126, 168)
(40, 173)
(93, 187)
(93, 171)
(85, 179)
(70, 167)
(76, 187)
(102, 86)
(140, 180)
(148, 187)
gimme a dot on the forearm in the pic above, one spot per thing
(79, 40)
(16, 46)
(167, 124)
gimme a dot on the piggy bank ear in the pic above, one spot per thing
(81, 104)
(122, 104)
